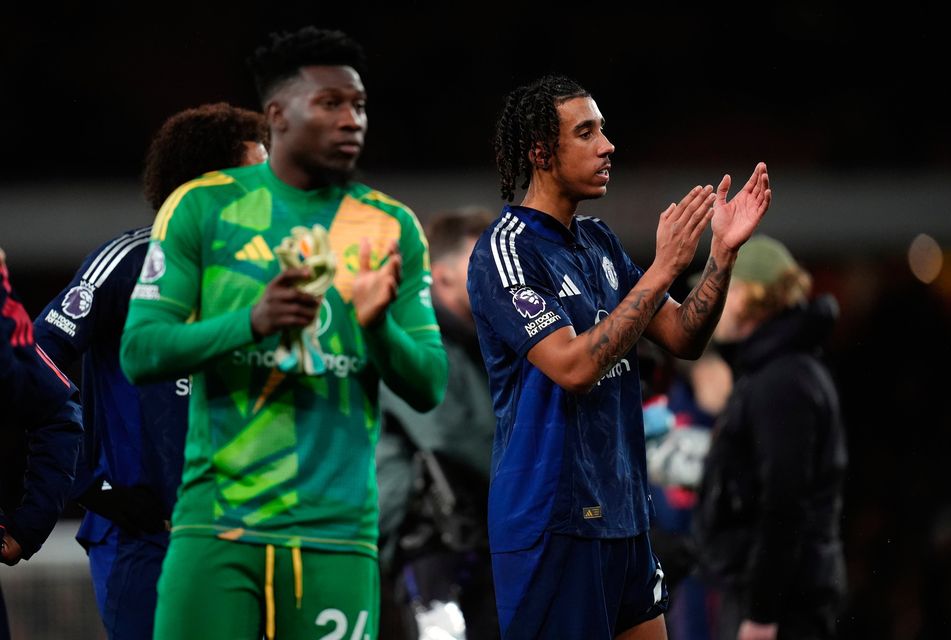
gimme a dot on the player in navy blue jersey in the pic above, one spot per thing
(40, 430)
(559, 308)
(133, 453)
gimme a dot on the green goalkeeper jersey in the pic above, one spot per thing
(275, 458)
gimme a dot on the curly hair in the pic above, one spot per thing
(530, 116)
(198, 140)
(281, 59)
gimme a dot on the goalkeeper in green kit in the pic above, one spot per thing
(275, 529)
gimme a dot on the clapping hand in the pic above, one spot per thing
(735, 220)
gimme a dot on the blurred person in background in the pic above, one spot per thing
(771, 497)
(682, 399)
(135, 435)
(41, 435)
(433, 536)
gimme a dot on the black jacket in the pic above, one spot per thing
(37, 467)
(771, 497)
(40, 429)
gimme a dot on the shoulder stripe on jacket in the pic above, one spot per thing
(52, 366)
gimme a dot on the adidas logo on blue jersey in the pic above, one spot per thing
(590, 513)
(568, 288)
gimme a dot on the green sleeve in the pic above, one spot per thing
(406, 347)
(159, 342)
(159, 345)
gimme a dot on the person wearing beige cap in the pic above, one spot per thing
(771, 496)
(766, 280)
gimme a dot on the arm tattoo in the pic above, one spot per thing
(614, 336)
(701, 310)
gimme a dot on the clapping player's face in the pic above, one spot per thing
(324, 120)
(581, 164)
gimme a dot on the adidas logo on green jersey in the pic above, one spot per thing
(256, 249)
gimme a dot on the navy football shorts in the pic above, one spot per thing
(566, 587)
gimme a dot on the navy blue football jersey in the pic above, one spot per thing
(134, 434)
(562, 462)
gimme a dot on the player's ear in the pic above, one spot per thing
(274, 112)
(539, 156)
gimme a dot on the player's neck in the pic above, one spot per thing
(555, 204)
(303, 178)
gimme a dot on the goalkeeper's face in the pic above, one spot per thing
(322, 120)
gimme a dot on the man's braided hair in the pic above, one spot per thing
(530, 116)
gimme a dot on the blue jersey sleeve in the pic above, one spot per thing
(95, 301)
(511, 290)
(91, 311)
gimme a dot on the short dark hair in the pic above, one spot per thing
(286, 52)
(529, 116)
(196, 141)
(446, 231)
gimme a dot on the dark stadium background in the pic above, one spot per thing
(850, 109)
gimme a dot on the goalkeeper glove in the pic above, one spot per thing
(299, 350)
